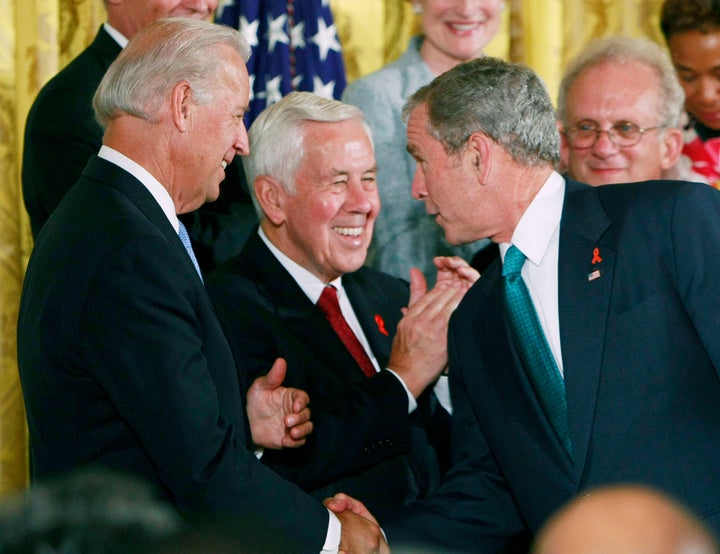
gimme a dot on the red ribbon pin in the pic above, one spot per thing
(596, 256)
(381, 325)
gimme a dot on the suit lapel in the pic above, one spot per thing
(294, 309)
(378, 320)
(114, 176)
(513, 385)
(585, 277)
(105, 47)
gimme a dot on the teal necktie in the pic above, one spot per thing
(533, 346)
(185, 238)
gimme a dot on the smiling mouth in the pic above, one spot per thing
(464, 27)
(223, 164)
(349, 231)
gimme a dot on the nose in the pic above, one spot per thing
(708, 89)
(418, 188)
(604, 145)
(242, 143)
(359, 199)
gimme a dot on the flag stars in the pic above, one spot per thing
(323, 89)
(297, 35)
(276, 32)
(326, 39)
(249, 31)
(272, 88)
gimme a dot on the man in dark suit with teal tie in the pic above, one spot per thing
(623, 288)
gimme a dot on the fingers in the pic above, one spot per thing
(338, 503)
(448, 262)
(342, 502)
(440, 300)
(276, 375)
(300, 400)
(301, 431)
(418, 285)
(297, 418)
(454, 268)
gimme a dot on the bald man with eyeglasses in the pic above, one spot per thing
(619, 109)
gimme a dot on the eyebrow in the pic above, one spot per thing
(681, 67)
(372, 169)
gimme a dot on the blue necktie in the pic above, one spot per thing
(533, 346)
(185, 238)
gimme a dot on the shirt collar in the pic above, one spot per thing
(311, 285)
(537, 225)
(159, 192)
(115, 34)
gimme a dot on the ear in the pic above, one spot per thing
(271, 196)
(181, 105)
(672, 145)
(480, 151)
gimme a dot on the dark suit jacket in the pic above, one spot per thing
(641, 357)
(123, 363)
(361, 443)
(61, 135)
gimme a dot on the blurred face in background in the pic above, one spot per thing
(613, 97)
(456, 30)
(129, 16)
(696, 57)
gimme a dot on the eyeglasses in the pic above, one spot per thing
(622, 134)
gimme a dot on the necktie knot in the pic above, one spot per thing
(328, 302)
(513, 262)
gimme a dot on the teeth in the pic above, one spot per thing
(465, 27)
(223, 164)
(349, 231)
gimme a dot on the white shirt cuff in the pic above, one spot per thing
(332, 539)
(412, 403)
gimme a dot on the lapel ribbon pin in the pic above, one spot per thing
(595, 259)
(381, 325)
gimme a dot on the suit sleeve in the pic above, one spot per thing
(473, 510)
(696, 253)
(150, 337)
(61, 135)
(357, 423)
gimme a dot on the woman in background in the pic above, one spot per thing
(453, 31)
(692, 32)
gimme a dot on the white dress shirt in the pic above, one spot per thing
(537, 235)
(313, 287)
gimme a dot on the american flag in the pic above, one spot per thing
(294, 44)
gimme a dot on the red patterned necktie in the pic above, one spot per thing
(329, 306)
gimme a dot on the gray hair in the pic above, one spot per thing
(506, 101)
(276, 136)
(157, 58)
(624, 50)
